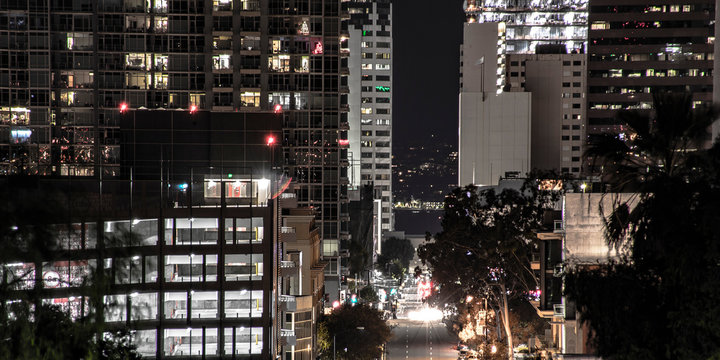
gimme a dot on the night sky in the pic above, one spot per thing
(427, 36)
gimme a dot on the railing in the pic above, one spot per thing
(287, 264)
(286, 298)
(287, 230)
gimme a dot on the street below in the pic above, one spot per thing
(426, 340)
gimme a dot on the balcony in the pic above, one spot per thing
(288, 200)
(288, 302)
(287, 337)
(287, 234)
(287, 264)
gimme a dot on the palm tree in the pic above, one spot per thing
(653, 144)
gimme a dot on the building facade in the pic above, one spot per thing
(69, 69)
(370, 64)
(531, 23)
(557, 84)
(494, 125)
(302, 282)
(203, 274)
(639, 47)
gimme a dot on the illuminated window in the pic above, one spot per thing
(600, 25)
(674, 8)
(366, 111)
(366, 66)
(383, 55)
(161, 24)
(161, 81)
(280, 63)
(366, 44)
(382, 66)
(304, 65)
(138, 61)
(79, 41)
(687, 8)
(222, 5)
(161, 5)
(366, 121)
(222, 62)
(250, 99)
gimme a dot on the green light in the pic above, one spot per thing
(382, 88)
(229, 176)
(364, 33)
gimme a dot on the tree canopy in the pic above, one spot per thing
(358, 332)
(485, 247)
(396, 256)
(658, 301)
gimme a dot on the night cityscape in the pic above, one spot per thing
(359, 179)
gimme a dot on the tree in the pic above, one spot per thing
(358, 332)
(485, 246)
(393, 249)
(368, 294)
(34, 230)
(658, 300)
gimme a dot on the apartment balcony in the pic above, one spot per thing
(287, 234)
(287, 302)
(287, 337)
(289, 268)
(288, 200)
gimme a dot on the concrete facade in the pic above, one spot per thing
(494, 136)
(557, 84)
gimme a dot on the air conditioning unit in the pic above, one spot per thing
(558, 310)
(558, 226)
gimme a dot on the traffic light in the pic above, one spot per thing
(353, 299)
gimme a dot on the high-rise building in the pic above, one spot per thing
(556, 81)
(69, 69)
(370, 83)
(639, 47)
(530, 22)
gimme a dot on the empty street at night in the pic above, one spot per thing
(427, 340)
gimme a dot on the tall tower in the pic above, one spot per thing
(371, 48)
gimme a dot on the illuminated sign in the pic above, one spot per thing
(344, 142)
(382, 88)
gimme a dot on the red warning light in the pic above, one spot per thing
(277, 108)
(270, 140)
(193, 109)
(123, 107)
(344, 142)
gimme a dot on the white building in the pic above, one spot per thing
(370, 117)
(494, 129)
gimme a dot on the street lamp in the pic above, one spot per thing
(334, 353)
